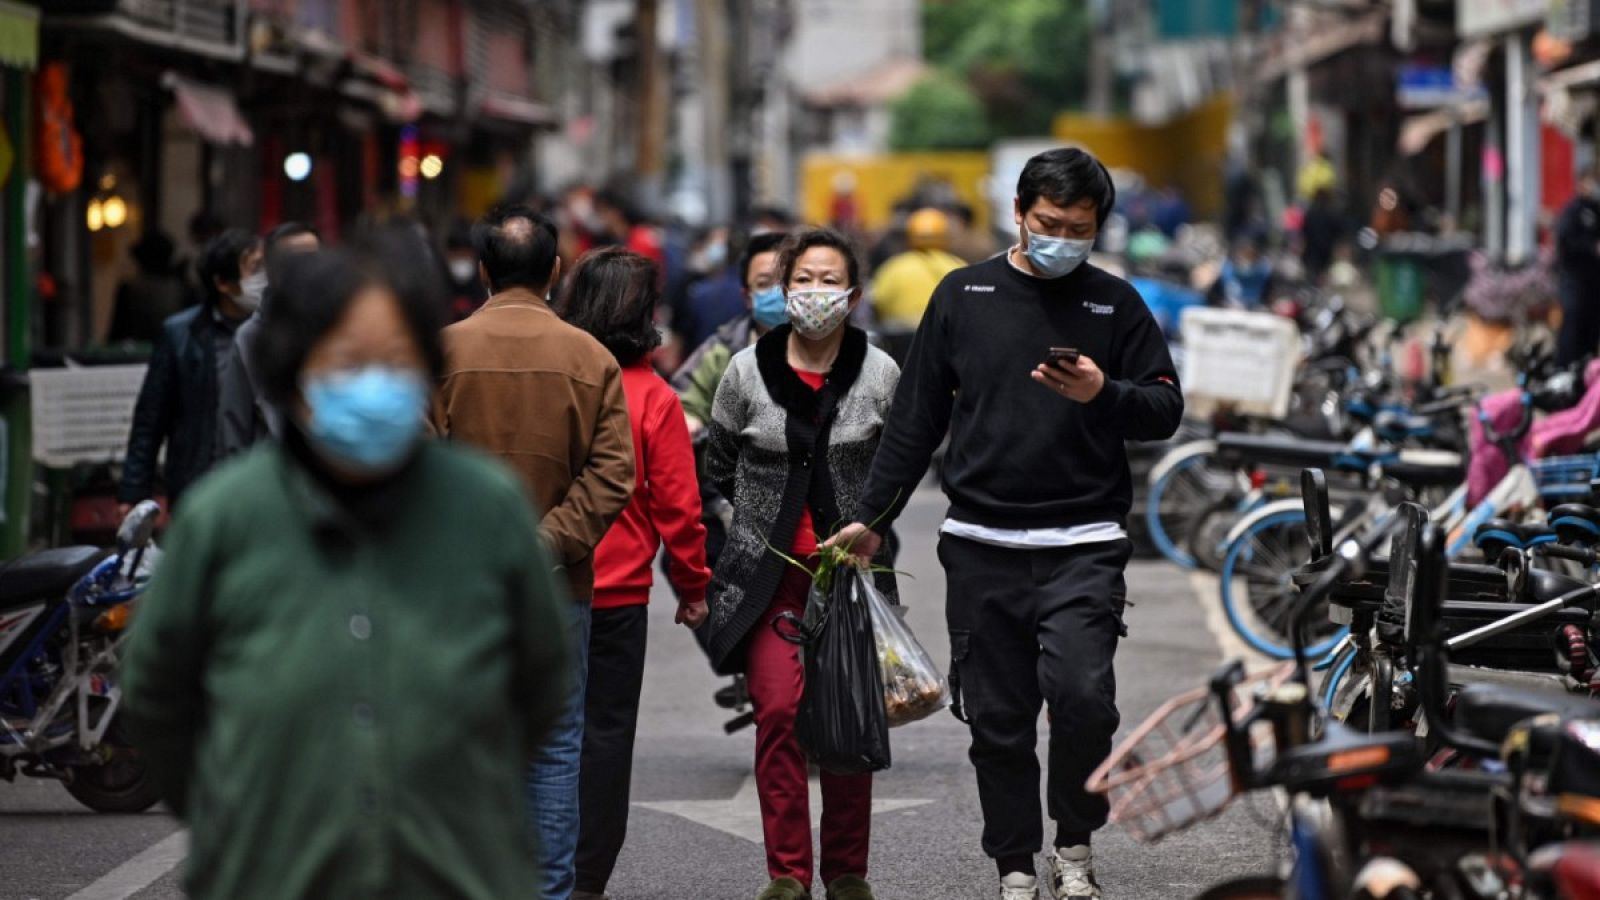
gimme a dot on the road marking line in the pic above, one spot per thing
(740, 815)
(139, 872)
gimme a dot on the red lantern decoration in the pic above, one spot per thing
(58, 146)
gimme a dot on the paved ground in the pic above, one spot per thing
(695, 829)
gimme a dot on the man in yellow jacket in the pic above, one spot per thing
(903, 284)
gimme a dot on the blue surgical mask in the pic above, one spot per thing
(367, 420)
(1054, 257)
(769, 307)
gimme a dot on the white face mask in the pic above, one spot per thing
(463, 270)
(251, 289)
(1055, 257)
(819, 312)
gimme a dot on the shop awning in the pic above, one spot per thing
(19, 35)
(877, 86)
(1417, 132)
(1301, 51)
(210, 111)
(1581, 75)
(516, 110)
(381, 83)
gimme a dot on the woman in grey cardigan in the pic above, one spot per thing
(794, 427)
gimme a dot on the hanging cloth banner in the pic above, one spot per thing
(19, 35)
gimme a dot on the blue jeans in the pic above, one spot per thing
(553, 776)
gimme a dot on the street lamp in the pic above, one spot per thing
(297, 166)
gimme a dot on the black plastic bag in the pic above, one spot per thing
(841, 724)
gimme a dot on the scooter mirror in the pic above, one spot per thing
(138, 526)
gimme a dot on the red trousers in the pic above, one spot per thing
(775, 679)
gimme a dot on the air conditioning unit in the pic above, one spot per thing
(1573, 20)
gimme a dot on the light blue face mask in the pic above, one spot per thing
(769, 307)
(1055, 257)
(368, 419)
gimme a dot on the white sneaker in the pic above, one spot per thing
(1018, 886)
(1072, 874)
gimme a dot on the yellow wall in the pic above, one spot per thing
(883, 179)
(1187, 153)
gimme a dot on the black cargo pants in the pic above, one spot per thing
(1032, 628)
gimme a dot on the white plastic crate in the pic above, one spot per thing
(1245, 360)
(82, 415)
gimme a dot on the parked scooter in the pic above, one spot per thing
(63, 618)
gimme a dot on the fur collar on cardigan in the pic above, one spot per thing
(795, 396)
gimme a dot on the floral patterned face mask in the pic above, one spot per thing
(818, 313)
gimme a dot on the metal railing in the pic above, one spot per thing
(213, 21)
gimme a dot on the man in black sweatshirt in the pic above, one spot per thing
(1034, 546)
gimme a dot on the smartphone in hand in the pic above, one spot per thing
(1064, 357)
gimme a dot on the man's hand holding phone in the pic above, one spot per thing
(1070, 374)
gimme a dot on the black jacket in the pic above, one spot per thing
(1021, 455)
(177, 407)
(1578, 239)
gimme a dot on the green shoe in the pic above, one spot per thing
(785, 889)
(849, 887)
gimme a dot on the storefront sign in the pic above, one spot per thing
(1478, 18)
(1428, 87)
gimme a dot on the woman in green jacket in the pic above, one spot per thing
(354, 637)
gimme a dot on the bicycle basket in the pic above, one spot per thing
(1561, 477)
(1172, 771)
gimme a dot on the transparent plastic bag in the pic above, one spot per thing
(841, 723)
(913, 688)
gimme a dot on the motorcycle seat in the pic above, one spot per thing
(1495, 535)
(1398, 426)
(1576, 523)
(1262, 449)
(45, 574)
(1488, 711)
(1423, 470)
(1545, 585)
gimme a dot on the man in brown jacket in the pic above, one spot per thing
(547, 399)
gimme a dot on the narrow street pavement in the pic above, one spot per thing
(696, 828)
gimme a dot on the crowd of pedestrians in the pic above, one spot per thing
(397, 643)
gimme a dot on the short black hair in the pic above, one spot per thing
(220, 261)
(766, 242)
(773, 213)
(516, 255)
(317, 290)
(290, 229)
(615, 198)
(612, 294)
(1067, 176)
(800, 241)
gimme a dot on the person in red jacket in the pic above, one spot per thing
(613, 295)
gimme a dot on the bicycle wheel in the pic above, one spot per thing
(1178, 498)
(1258, 592)
(1338, 697)
(1208, 534)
